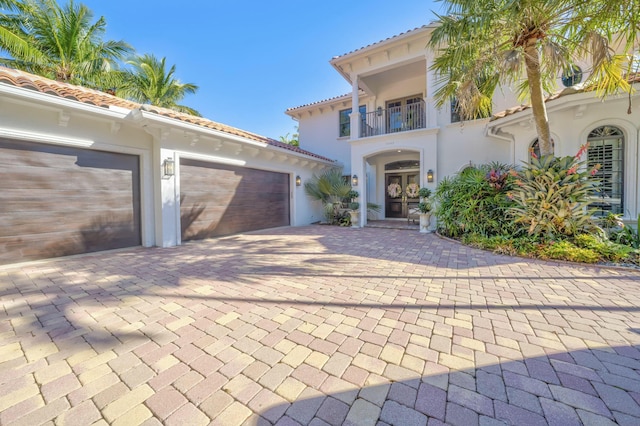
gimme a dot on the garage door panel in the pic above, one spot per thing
(64, 200)
(219, 200)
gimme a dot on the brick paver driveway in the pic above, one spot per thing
(318, 325)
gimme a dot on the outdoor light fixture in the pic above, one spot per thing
(379, 111)
(354, 180)
(298, 180)
(430, 176)
(169, 167)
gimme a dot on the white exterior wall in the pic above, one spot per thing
(36, 117)
(572, 118)
(321, 133)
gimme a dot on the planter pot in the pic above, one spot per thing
(355, 218)
(425, 222)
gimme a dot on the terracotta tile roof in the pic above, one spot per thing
(635, 78)
(84, 95)
(383, 41)
(346, 96)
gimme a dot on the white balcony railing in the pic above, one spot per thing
(394, 119)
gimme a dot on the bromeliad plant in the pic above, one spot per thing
(552, 197)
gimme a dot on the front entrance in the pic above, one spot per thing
(397, 202)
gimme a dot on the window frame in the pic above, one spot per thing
(344, 127)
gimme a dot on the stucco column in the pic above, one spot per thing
(167, 202)
(431, 89)
(355, 109)
(357, 169)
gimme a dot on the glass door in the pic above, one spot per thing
(397, 202)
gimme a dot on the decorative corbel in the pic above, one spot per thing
(63, 119)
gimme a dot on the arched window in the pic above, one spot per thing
(572, 77)
(606, 147)
(535, 148)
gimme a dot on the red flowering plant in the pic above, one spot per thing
(552, 196)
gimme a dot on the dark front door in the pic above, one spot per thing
(396, 199)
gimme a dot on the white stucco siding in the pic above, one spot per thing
(462, 144)
(572, 118)
(319, 133)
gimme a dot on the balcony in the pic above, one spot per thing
(402, 118)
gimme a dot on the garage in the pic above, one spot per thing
(218, 199)
(59, 200)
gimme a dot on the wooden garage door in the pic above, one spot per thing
(217, 199)
(57, 201)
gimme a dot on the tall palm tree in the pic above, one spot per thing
(59, 42)
(483, 43)
(148, 81)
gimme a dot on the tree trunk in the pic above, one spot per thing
(532, 63)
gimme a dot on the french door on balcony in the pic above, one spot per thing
(396, 201)
(405, 114)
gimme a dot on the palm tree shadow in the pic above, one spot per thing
(585, 386)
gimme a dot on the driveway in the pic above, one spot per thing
(318, 325)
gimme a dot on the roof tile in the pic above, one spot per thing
(88, 96)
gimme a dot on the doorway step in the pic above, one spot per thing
(393, 224)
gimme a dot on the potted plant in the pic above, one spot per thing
(354, 212)
(424, 193)
(425, 209)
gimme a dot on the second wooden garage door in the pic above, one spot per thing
(217, 199)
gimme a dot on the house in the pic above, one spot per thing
(388, 130)
(82, 171)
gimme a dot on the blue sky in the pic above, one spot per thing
(254, 59)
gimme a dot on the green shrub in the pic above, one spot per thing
(565, 250)
(552, 196)
(475, 202)
(606, 249)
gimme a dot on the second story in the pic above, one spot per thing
(393, 85)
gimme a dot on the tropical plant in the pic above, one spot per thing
(528, 43)
(330, 189)
(552, 197)
(468, 203)
(623, 234)
(424, 206)
(60, 42)
(424, 192)
(291, 140)
(149, 82)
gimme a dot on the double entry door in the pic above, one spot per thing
(396, 200)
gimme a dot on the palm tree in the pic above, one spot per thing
(59, 42)
(149, 82)
(483, 43)
(331, 189)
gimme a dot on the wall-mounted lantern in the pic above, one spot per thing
(298, 180)
(354, 180)
(430, 176)
(168, 167)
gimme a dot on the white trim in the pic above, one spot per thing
(29, 97)
(45, 138)
(208, 158)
